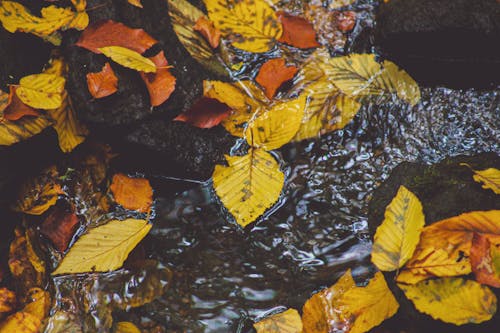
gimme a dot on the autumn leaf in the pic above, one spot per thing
(103, 83)
(273, 74)
(126, 327)
(38, 303)
(4, 102)
(136, 3)
(285, 322)
(8, 300)
(250, 25)
(129, 58)
(485, 259)
(161, 84)
(397, 237)
(490, 178)
(15, 131)
(21, 322)
(249, 185)
(207, 29)
(205, 113)
(103, 248)
(132, 193)
(453, 300)
(16, 109)
(41, 91)
(297, 31)
(60, 226)
(111, 33)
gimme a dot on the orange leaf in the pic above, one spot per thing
(7, 300)
(160, 84)
(273, 74)
(297, 31)
(485, 259)
(103, 83)
(111, 33)
(205, 113)
(132, 193)
(60, 226)
(16, 109)
(205, 27)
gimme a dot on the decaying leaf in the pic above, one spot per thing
(207, 29)
(490, 178)
(453, 300)
(126, 327)
(250, 25)
(15, 131)
(161, 84)
(60, 226)
(136, 3)
(21, 322)
(398, 235)
(16, 109)
(104, 248)
(8, 300)
(129, 58)
(132, 193)
(205, 113)
(485, 259)
(297, 31)
(285, 322)
(104, 83)
(41, 91)
(273, 74)
(249, 185)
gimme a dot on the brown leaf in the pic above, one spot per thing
(205, 113)
(205, 27)
(103, 83)
(111, 33)
(160, 84)
(60, 226)
(7, 300)
(132, 193)
(297, 31)
(16, 109)
(273, 74)
(485, 259)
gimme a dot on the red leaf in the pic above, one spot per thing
(103, 83)
(273, 74)
(111, 33)
(208, 30)
(60, 226)
(346, 21)
(205, 113)
(297, 31)
(16, 109)
(485, 251)
(160, 84)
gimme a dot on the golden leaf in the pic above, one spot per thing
(41, 91)
(490, 178)
(4, 102)
(15, 131)
(249, 185)
(104, 248)
(38, 303)
(7, 300)
(285, 322)
(21, 322)
(80, 21)
(250, 25)
(79, 5)
(129, 58)
(398, 235)
(136, 3)
(126, 327)
(453, 300)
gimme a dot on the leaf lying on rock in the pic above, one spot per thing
(15, 131)
(132, 193)
(285, 322)
(161, 84)
(208, 30)
(16, 109)
(205, 113)
(490, 178)
(297, 31)
(103, 83)
(41, 91)
(129, 58)
(273, 74)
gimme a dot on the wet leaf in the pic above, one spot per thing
(60, 226)
(38, 303)
(398, 235)
(453, 300)
(136, 3)
(250, 25)
(490, 178)
(297, 31)
(129, 58)
(15, 131)
(8, 300)
(249, 185)
(21, 322)
(161, 84)
(273, 74)
(111, 33)
(284, 322)
(41, 91)
(485, 259)
(132, 193)
(207, 29)
(205, 113)
(126, 327)
(16, 109)
(63, 322)
(103, 83)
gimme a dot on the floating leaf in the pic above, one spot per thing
(126, 327)
(60, 226)
(490, 178)
(136, 3)
(297, 31)
(103, 83)
(485, 259)
(129, 58)
(208, 30)
(22, 129)
(453, 300)
(104, 248)
(132, 193)
(285, 322)
(21, 322)
(250, 25)
(16, 109)
(205, 113)
(41, 91)
(161, 84)
(273, 74)
(249, 185)
(398, 235)
(8, 300)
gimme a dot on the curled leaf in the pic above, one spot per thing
(16, 109)
(41, 91)
(285, 322)
(208, 30)
(103, 83)
(129, 58)
(297, 31)
(132, 193)
(273, 74)
(161, 84)
(205, 113)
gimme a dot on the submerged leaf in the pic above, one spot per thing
(103, 83)
(129, 58)
(161, 84)
(41, 91)
(285, 322)
(273, 74)
(132, 193)
(297, 31)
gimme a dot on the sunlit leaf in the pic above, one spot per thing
(249, 185)
(104, 248)
(453, 300)
(103, 83)
(250, 25)
(126, 327)
(129, 58)
(8, 300)
(485, 259)
(132, 193)
(398, 235)
(41, 91)
(273, 74)
(490, 178)
(285, 322)
(21, 322)
(160, 84)
(15, 131)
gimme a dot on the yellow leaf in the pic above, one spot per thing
(38, 303)
(319, 314)
(4, 102)
(251, 25)
(79, 22)
(489, 177)
(8, 301)
(129, 58)
(136, 3)
(398, 235)
(126, 327)
(284, 322)
(278, 125)
(104, 248)
(79, 5)
(249, 185)
(453, 300)
(15, 131)
(41, 91)
(21, 322)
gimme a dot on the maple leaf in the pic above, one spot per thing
(103, 83)
(205, 113)
(161, 84)
(297, 31)
(273, 74)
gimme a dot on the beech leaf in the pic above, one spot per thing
(490, 178)
(161, 84)
(126, 327)
(15, 131)
(273, 74)
(208, 30)
(132, 193)
(16, 109)
(41, 91)
(129, 58)
(103, 83)
(285, 322)
(205, 113)
(297, 31)
(60, 226)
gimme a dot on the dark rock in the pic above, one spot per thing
(442, 42)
